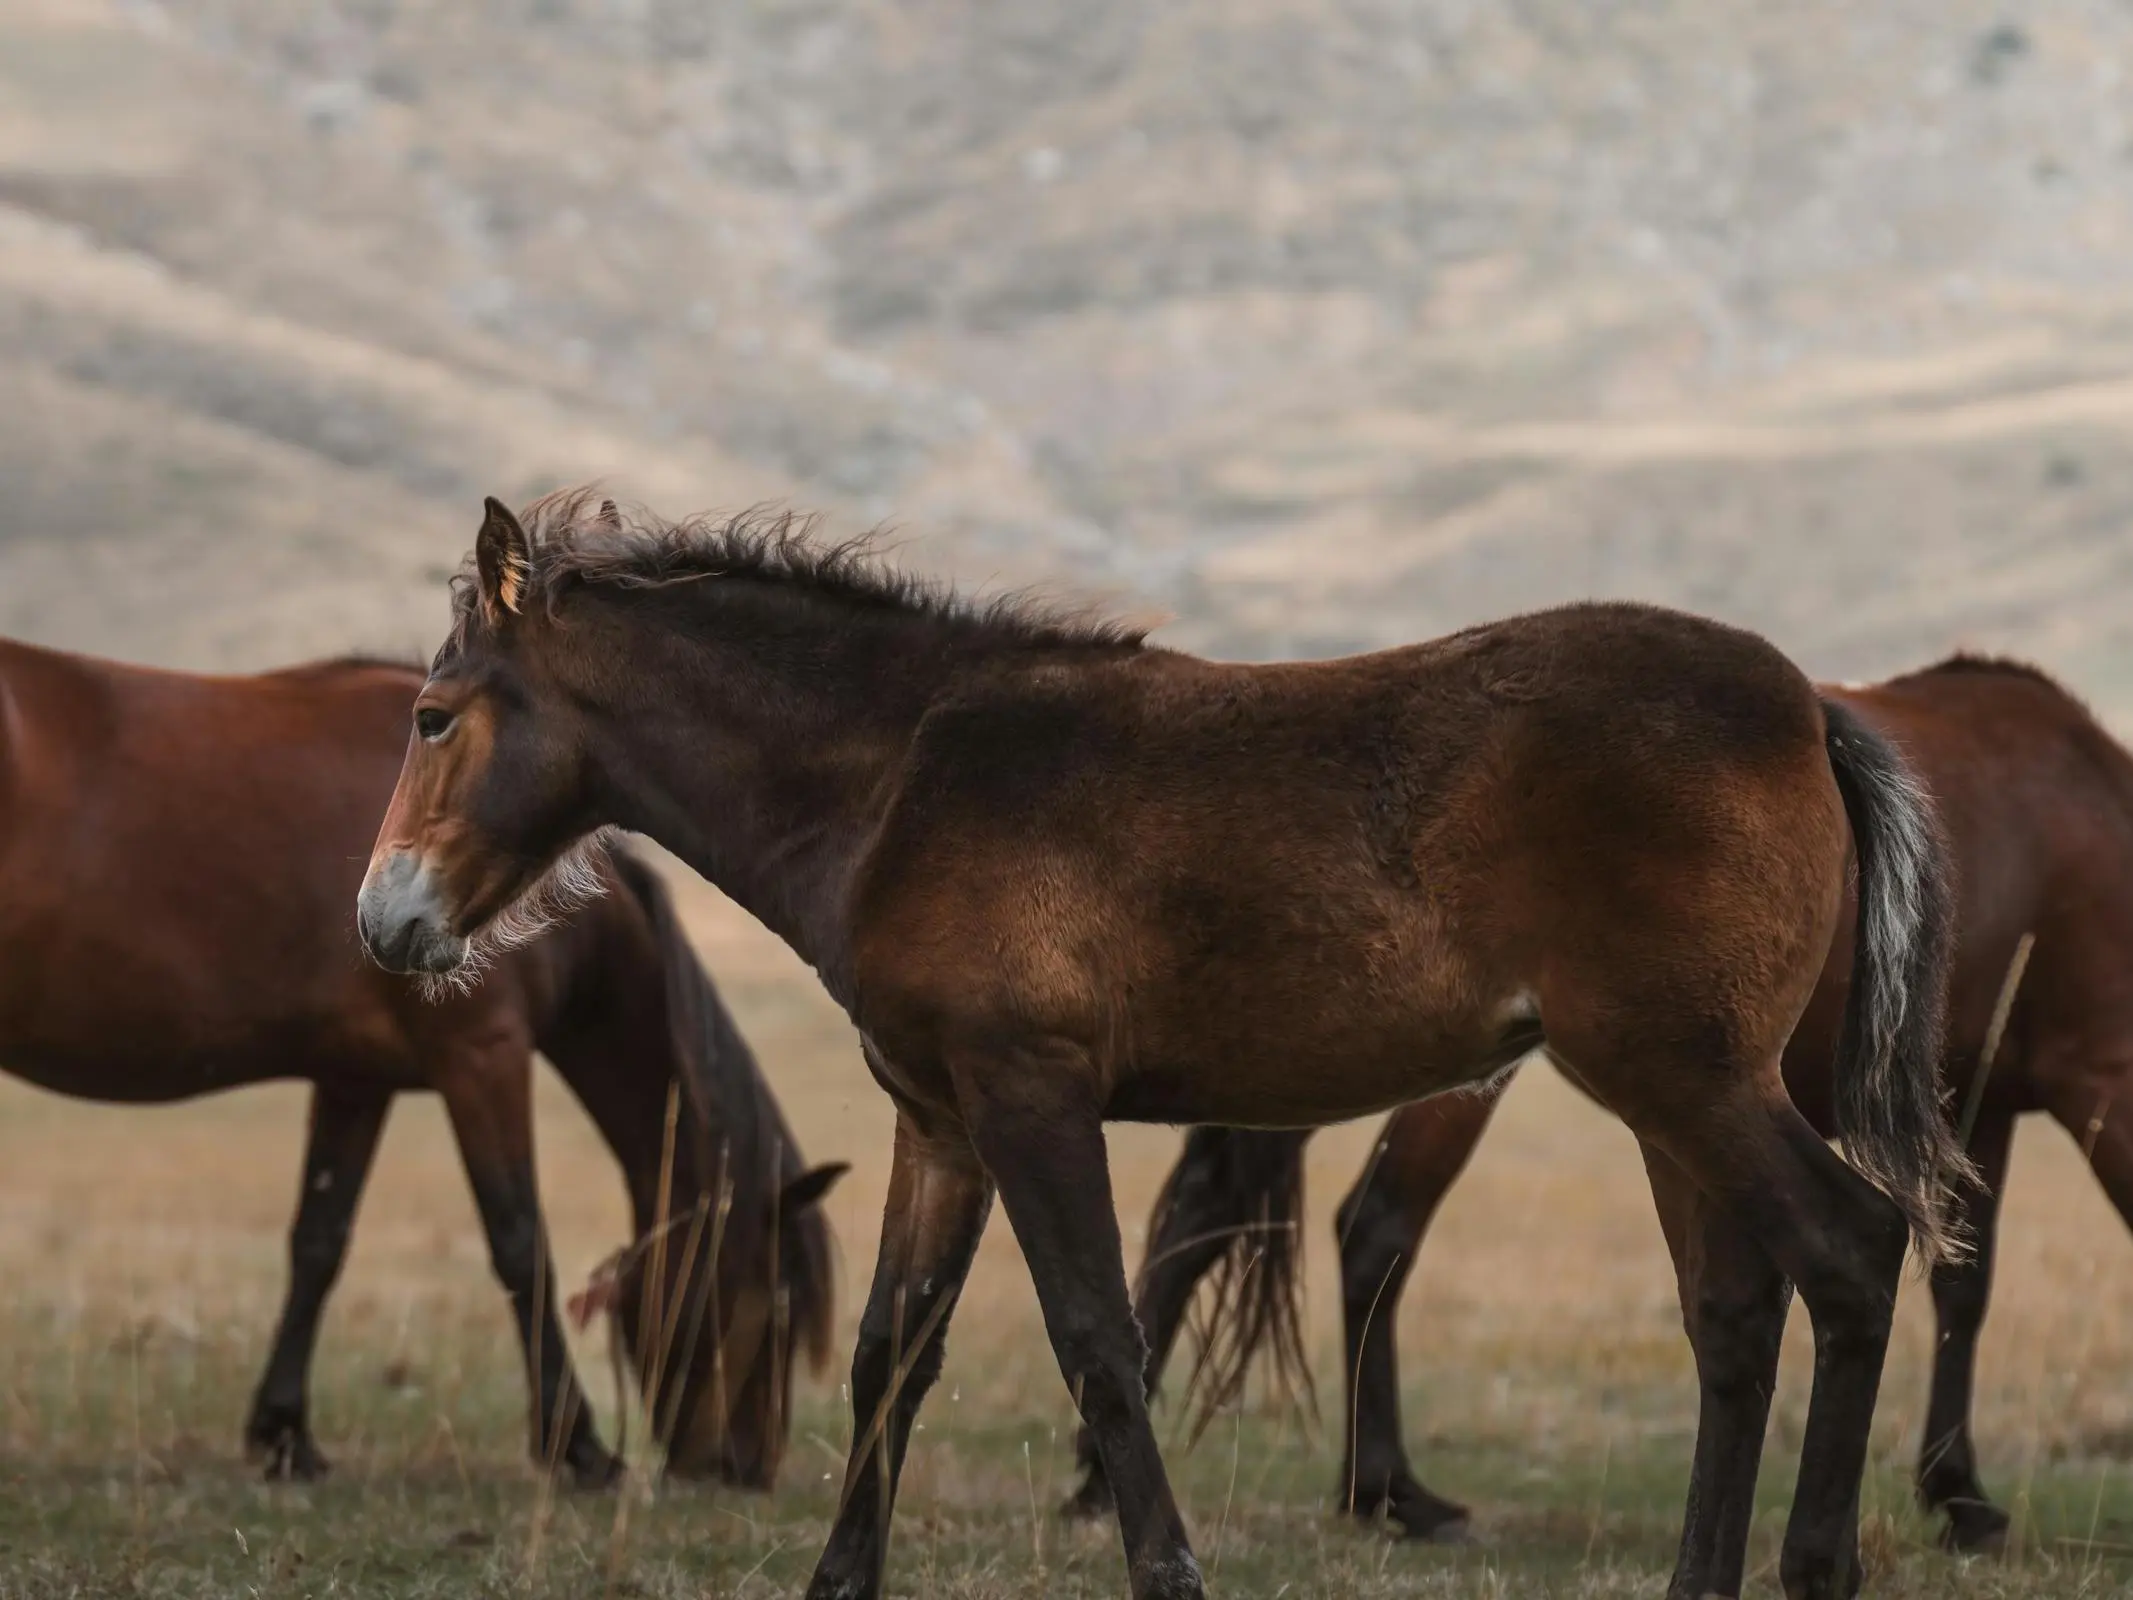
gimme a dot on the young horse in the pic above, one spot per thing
(1057, 876)
(2037, 800)
(141, 961)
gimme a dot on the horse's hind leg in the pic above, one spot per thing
(1733, 1304)
(1418, 1158)
(1947, 1465)
(344, 1130)
(1842, 1242)
(1196, 1220)
(488, 1095)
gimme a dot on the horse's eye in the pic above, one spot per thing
(432, 723)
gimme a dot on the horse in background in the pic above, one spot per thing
(2037, 801)
(1059, 876)
(178, 855)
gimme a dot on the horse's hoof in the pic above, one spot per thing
(1805, 1577)
(1975, 1527)
(1411, 1512)
(596, 1471)
(1450, 1530)
(1091, 1501)
(295, 1459)
(285, 1446)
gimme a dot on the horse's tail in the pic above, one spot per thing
(1890, 1108)
(722, 1078)
(1246, 1184)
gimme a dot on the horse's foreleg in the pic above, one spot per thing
(1419, 1156)
(344, 1129)
(1947, 1464)
(489, 1100)
(1196, 1220)
(1038, 1124)
(938, 1200)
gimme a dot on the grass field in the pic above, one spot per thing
(1548, 1380)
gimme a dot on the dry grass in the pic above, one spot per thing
(1548, 1379)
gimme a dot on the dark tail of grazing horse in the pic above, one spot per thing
(1248, 1186)
(1888, 1095)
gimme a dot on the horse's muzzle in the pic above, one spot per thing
(401, 919)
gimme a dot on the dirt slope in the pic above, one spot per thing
(1317, 325)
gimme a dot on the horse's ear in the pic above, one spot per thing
(809, 1188)
(503, 561)
(609, 519)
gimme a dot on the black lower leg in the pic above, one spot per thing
(1195, 1221)
(564, 1434)
(1842, 1241)
(343, 1138)
(1733, 1305)
(1380, 1226)
(938, 1200)
(1947, 1464)
(1038, 1126)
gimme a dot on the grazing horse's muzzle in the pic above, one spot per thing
(402, 922)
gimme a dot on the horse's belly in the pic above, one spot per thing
(1335, 1080)
(142, 1045)
(124, 1077)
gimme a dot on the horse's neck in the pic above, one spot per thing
(780, 800)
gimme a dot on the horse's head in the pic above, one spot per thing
(711, 1314)
(491, 826)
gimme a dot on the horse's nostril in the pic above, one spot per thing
(387, 943)
(398, 918)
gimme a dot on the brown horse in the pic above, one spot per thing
(177, 856)
(1057, 876)
(2037, 801)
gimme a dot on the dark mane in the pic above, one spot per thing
(579, 539)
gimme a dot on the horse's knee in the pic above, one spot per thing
(316, 1253)
(926, 1367)
(873, 1348)
(1104, 1366)
(881, 1349)
(515, 1252)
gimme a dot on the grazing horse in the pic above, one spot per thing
(2037, 802)
(177, 857)
(1057, 875)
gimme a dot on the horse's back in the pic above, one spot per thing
(2037, 801)
(178, 861)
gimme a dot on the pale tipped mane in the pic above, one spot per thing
(581, 540)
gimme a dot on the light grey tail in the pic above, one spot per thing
(1891, 1112)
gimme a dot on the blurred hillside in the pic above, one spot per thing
(1319, 325)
